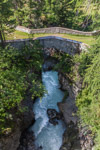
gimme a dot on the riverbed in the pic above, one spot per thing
(47, 135)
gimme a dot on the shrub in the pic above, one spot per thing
(88, 101)
(19, 70)
(65, 62)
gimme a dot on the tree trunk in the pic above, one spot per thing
(2, 39)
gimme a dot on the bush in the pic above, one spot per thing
(65, 62)
(19, 70)
(88, 101)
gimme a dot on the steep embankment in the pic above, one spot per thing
(20, 85)
(12, 140)
(76, 136)
(88, 101)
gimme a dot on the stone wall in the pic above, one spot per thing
(69, 46)
(55, 30)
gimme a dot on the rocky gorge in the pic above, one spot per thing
(74, 138)
(11, 140)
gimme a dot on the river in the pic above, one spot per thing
(48, 136)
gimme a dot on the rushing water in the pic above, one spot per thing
(47, 135)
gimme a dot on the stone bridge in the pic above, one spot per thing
(69, 46)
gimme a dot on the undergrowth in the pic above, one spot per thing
(20, 71)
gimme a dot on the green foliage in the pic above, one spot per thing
(59, 13)
(19, 72)
(28, 12)
(88, 101)
(76, 14)
(6, 18)
(44, 13)
(88, 14)
(84, 60)
(65, 62)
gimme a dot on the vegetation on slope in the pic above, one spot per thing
(19, 72)
(65, 62)
(88, 101)
(76, 14)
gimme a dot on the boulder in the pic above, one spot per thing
(53, 121)
(71, 139)
(53, 116)
(52, 113)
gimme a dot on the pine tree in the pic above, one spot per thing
(6, 19)
(88, 15)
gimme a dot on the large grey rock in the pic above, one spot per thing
(11, 141)
(75, 137)
(70, 138)
(69, 112)
(53, 116)
(27, 141)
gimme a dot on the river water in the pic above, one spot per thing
(48, 136)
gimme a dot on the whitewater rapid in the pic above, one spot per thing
(48, 136)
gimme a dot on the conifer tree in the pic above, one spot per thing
(6, 19)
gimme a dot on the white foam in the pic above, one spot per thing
(47, 135)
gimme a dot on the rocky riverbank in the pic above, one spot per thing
(27, 141)
(11, 140)
(76, 137)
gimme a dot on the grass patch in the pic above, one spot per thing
(21, 35)
(81, 38)
(17, 35)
